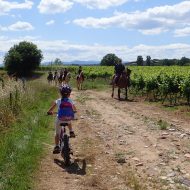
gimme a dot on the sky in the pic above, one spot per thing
(89, 29)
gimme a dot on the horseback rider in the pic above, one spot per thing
(50, 76)
(80, 73)
(60, 76)
(121, 79)
(65, 73)
(55, 74)
(118, 69)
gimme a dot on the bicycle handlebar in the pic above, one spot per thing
(51, 113)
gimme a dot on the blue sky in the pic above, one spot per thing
(89, 29)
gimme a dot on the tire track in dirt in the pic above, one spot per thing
(118, 147)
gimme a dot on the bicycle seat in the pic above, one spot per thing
(63, 124)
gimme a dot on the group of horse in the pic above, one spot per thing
(61, 78)
(58, 78)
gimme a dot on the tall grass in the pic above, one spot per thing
(12, 94)
(21, 146)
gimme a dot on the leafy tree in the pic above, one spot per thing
(183, 61)
(148, 60)
(57, 61)
(139, 60)
(22, 59)
(168, 62)
(109, 60)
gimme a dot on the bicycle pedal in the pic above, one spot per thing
(56, 152)
(72, 136)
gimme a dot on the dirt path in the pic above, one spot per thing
(120, 146)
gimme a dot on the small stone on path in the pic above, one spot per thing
(121, 161)
(171, 129)
(163, 137)
(139, 164)
(187, 156)
(185, 181)
(136, 159)
(171, 174)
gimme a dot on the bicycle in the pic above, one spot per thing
(64, 145)
(65, 148)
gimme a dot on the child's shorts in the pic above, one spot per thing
(58, 127)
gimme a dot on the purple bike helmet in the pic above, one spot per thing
(65, 90)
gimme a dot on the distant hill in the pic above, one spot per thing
(76, 62)
(82, 62)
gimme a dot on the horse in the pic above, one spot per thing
(50, 77)
(123, 82)
(67, 78)
(60, 78)
(56, 79)
(80, 80)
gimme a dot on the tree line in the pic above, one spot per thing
(184, 61)
(111, 59)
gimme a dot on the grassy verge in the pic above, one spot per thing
(21, 147)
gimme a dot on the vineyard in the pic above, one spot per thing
(161, 83)
(157, 83)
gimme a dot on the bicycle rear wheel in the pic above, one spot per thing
(65, 152)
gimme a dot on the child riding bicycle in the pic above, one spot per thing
(66, 110)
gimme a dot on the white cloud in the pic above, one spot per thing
(100, 4)
(3, 37)
(50, 22)
(28, 38)
(154, 20)
(67, 51)
(153, 31)
(18, 26)
(54, 6)
(61, 6)
(182, 32)
(7, 6)
(67, 22)
(2, 28)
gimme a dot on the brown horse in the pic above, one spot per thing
(80, 80)
(123, 82)
(67, 78)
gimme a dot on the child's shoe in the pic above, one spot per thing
(72, 134)
(56, 150)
